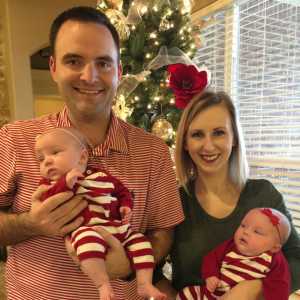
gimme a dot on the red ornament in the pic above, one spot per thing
(186, 82)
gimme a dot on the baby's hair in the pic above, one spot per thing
(70, 130)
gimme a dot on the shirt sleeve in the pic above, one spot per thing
(122, 193)
(212, 261)
(291, 249)
(8, 158)
(276, 286)
(59, 187)
(163, 207)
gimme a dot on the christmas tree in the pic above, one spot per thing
(153, 35)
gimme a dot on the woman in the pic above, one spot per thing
(216, 194)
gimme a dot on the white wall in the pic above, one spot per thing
(26, 26)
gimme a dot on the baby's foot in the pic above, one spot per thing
(147, 290)
(106, 292)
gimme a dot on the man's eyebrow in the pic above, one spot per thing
(74, 55)
(106, 58)
(70, 55)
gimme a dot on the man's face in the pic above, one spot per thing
(86, 69)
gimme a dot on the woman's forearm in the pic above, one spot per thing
(165, 287)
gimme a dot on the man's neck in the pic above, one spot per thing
(95, 130)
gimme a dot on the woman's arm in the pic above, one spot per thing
(165, 287)
(245, 290)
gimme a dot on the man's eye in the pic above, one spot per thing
(72, 62)
(104, 64)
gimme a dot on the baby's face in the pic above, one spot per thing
(256, 234)
(57, 153)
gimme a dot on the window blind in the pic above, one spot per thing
(253, 52)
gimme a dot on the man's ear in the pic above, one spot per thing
(84, 156)
(276, 248)
(120, 71)
(52, 68)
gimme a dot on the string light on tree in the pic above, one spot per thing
(152, 25)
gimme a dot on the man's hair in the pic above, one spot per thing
(186, 169)
(84, 14)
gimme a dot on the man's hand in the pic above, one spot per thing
(212, 283)
(125, 213)
(117, 264)
(72, 176)
(51, 217)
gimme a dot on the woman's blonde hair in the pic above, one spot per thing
(186, 169)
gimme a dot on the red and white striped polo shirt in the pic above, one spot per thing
(40, 268)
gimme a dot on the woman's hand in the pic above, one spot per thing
(117, 264)
(245, 290)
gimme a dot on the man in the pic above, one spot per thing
(86, 66)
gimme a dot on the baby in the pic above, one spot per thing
(63, 156)
(253, 253)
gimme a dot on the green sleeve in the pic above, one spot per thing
(291, 249)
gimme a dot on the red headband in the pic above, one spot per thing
(274, 219)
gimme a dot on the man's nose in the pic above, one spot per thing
(89, 73)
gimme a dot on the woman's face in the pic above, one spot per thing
(210, 139)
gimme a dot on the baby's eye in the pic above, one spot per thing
(242, 225)
(257, 232)
(55, 152)
(41, 160)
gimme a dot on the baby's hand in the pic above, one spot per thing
(212, 283)
(72, 176)
(125, 213)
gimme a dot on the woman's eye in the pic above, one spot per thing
(197, 134)
(219, 132)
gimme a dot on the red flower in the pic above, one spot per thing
(186, 82)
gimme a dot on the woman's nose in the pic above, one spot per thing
(208, 144)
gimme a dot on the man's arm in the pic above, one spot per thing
(45, 218)
(161, 240)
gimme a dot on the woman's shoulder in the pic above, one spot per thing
(262, 190)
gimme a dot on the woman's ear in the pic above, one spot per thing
(84, 156)
(234, 142)
(276, 248)
(186, 147)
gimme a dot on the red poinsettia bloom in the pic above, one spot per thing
(186, 82)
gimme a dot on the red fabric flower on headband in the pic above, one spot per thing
(186, 82)
(273, 218)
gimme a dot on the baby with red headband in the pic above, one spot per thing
(253, 253)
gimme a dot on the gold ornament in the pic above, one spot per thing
(165, 85)
(115, 4)
(162, 129)
(123, 31)
(164, 24)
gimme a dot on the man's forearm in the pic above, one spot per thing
(14, 228)
(161, 240)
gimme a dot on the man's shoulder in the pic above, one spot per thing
(32, 125)
(135, 134)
